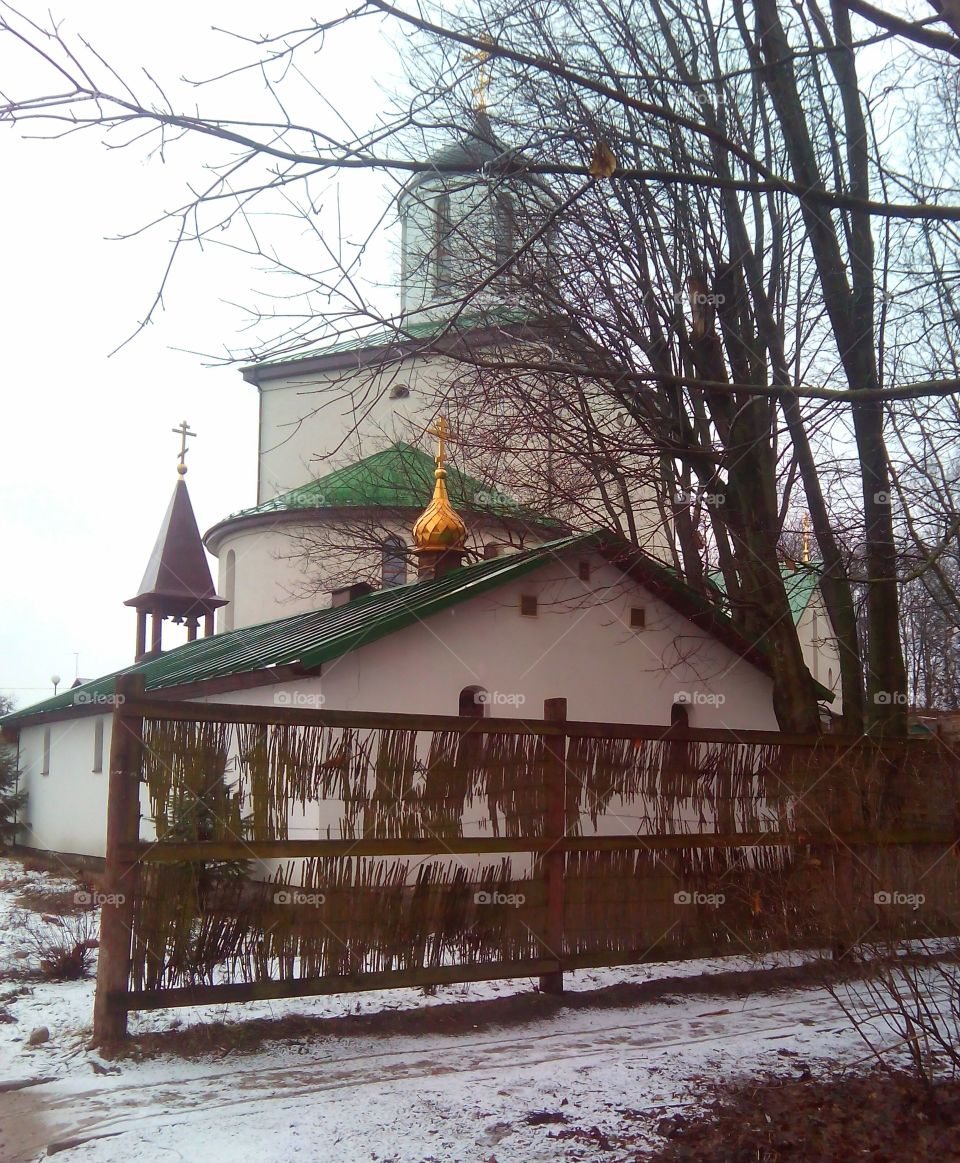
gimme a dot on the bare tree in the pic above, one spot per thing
(719, 205)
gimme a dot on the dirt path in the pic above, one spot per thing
(54, 1115)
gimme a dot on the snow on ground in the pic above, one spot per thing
(590, 1081)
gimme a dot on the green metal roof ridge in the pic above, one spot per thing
(410, 331)
(94, 691)
(317, 636)
(241, 651)
(407, 483)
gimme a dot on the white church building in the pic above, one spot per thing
(388, 580)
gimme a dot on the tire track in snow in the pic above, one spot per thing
(47, 1115)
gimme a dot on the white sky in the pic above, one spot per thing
(89, 458)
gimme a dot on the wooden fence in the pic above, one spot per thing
(449, 849)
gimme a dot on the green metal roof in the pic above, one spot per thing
(800, 585)
(799, 580)
(411, 330)
(399, 477)
(315, 637)
(319, 636)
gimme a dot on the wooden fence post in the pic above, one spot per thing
(121, 876)
(555, 794)
(848, 918)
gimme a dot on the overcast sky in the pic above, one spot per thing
(90, 460)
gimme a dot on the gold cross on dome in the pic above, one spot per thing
(482, 87)
(184, 430)
(441, 429)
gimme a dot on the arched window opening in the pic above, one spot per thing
(504, 228)
(442, 274)
(680, 716)
(405, 231)
(229, 588)
(393, 568)
(473, 703)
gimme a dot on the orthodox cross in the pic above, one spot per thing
(482, 86)
(184, 429)
(441, 429)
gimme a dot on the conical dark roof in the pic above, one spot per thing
(477, 146)
(177, 580)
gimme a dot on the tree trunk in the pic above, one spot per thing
(851, 313)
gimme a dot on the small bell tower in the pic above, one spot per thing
(177, 582)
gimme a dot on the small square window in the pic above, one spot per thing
(638, 617)
(583, 569)
(528, 605)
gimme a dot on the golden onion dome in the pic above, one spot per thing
(439, 526)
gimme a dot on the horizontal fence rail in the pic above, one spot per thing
(169, 710)
(599, 844)
(167, 853)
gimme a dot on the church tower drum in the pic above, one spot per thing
(459, 228)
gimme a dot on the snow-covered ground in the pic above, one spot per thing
(589, 1080)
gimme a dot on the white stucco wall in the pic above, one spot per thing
(819, 646)
(66, 810)
(580, 646)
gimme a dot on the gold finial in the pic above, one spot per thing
(439, 526)
(441, 429)
(805, 556)
(482, 87)
(184, 430)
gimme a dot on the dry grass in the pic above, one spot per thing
(63, 945)
(878, 1116)
(59, 902)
